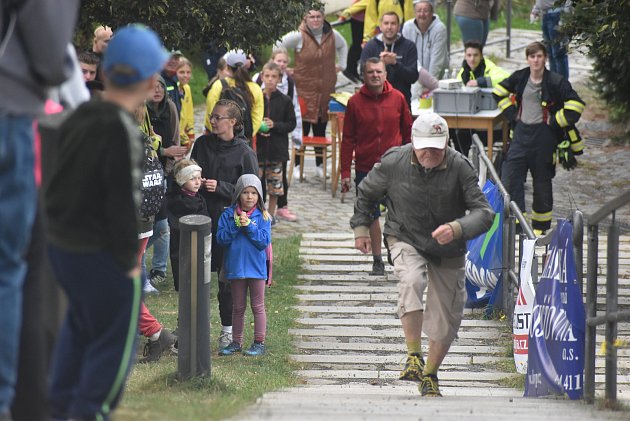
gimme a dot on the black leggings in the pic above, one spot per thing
(319, 129)
(282, 200)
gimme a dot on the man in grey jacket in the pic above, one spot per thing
(34, 35)
(434, 205)
(428, 33)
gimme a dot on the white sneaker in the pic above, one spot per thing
(296, 172)
(225, 338)
(319, 171)
(150, 289)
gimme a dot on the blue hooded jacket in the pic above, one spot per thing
(245, 247)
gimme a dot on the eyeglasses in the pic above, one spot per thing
(218, 117)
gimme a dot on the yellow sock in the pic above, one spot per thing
(430, 368)
(413, 347)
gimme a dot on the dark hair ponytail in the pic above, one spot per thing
(241, 77)
(233, 111)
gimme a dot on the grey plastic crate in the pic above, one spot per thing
(456, 101)
(487, 101)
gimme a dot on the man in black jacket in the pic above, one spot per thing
(398, 53)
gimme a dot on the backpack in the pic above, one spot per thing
(152, 188)
(234, 93)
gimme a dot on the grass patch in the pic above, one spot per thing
(515, 381)
(154, 391)
(198, 81)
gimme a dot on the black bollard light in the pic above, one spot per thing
(193, 330)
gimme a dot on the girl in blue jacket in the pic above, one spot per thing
(245, 231)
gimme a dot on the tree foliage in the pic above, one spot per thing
(597, 26)
(246, 24)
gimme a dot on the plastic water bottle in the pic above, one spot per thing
(454, 74)
(447, 73)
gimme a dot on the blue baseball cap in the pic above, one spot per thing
(134, 54)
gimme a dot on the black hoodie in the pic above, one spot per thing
(225, 162)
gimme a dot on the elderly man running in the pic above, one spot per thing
(434, 205)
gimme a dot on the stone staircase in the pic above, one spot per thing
(350, 349)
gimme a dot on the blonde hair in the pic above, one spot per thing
(183, 61)
(280, 50)
(181, 164)
(99, 31)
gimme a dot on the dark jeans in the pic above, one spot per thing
(38, 331)
(96, 343)
(354, 52)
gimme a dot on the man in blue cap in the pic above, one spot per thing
(92, 202)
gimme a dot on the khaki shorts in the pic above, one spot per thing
(444, 283)
(272, 174)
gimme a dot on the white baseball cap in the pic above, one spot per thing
(429, 131)
(235, 58)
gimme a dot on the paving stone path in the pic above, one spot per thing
(350, 346)
(350, 349)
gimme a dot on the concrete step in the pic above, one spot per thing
(318, 321)
(447, 377)
(397, 347)
(402, 402)
(363, 332)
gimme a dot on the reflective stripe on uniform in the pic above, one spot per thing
(541, 217)
(504, 104)
(574, 105)
(561, 119)
(500, 91)
(577, 146)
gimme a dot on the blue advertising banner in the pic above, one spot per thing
(484, 256)
(556, 336)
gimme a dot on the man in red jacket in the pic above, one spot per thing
(377, 118)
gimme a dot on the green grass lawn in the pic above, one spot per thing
(154, 391)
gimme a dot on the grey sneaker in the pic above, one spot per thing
(225, 338)
(156, 277)
(153, 350)
(378, 268)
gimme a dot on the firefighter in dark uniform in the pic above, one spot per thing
(542, 108)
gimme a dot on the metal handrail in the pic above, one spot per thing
(612, 316)
(511, 213)
(609, 208)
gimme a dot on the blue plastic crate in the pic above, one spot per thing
(336, 107)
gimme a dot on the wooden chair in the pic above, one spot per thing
(314, 142)
(336, 132)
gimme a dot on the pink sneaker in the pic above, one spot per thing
(286, 214)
